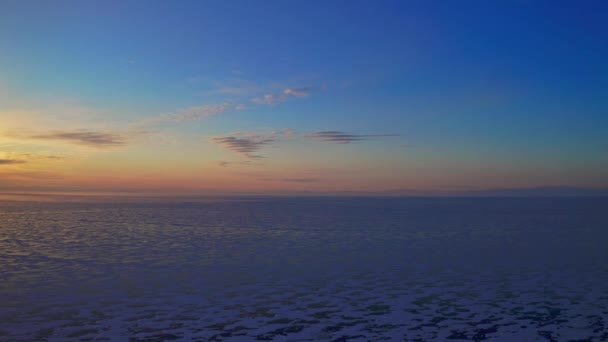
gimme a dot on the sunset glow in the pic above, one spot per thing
(213, 98)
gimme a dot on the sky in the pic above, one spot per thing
(223, 97)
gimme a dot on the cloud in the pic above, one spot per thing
(190, 114)
(285, 132)
(268, 99)
(297, 92)
(244, 146)
(11, 161)
(227, 163)
(31, 156)
(238, 87)
(247, 144)
(294, 180)
(286, 94)
(82, 137)
(340, 137)
(30, 175)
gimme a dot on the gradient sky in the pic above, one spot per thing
(208, 97)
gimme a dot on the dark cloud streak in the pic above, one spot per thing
(11, 161)
(244, 146)
(84, 137)
(340, 137)
(294, 180)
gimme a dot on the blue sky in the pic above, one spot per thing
(433, 95)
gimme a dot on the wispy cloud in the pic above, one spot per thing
(293, 180)
(79, 137)
(19, 175)
(248, 144)
(189, 114)
(284, 133)
(223, 163)
(286, 94)
(340, 137)
(244, 146)
(239, 87)
(31, 156)
(11, 161)
(260, 93)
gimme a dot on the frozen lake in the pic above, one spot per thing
(306, 269)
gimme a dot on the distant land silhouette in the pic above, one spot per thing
(550, 191)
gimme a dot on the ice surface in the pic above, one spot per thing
(306, 269)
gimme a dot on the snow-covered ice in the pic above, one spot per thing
(306, 269)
